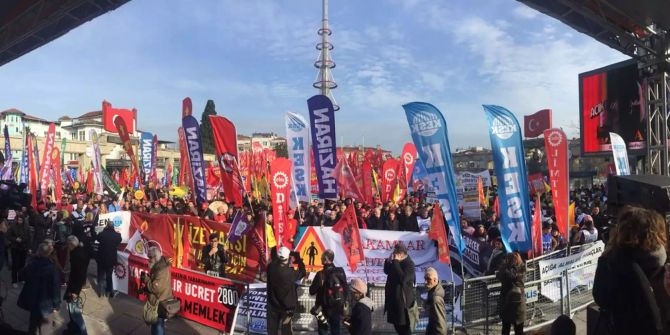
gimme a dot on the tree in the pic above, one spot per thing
(206, 128)
(281, 149)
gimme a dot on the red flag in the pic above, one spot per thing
(389, 178)
(33, 172)
(213, 176)
(346, 183)
(123, 178)
(536, 229)
(109, 116)
(556, 148)
(347, 227)
(89, 181)
(124, 134)
(45, 168)
(535, 124)
(184, 165)
(438, 232)
(408, 160)
(186, 107)
(225, 139)
(339, 154)
(366, 175)
(58, 179)
(186, 245)
(480, 190)
(496, 208)
(280, 181)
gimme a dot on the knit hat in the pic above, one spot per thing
(358, 285)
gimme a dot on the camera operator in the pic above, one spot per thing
(330, 287)
(282, 291)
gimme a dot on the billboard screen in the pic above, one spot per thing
(609, 101)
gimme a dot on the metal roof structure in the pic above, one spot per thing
(26, 25)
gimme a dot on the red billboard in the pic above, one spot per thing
(609, 101)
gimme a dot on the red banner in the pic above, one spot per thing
(280, 184)
(347, 227)
(536, 182)
(109, 116)
(210, 301)
(408, 160)
(225, 139)
(32, 172)
(127, 145)
(185, 165)
(389, 178)
(366, 176)
(186, 107)
(58, 178)
(346, 183)
(556, 147)
(45, 168)
(536, 229)
(438, 232)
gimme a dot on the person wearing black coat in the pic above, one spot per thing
(40, 295)
(79, 258)
(319, 288)
(360, 321)
(109, 241)
(282, 291)
(214, 257)
(407, 220)
(512, 300)
(375, 220)
(400, 300)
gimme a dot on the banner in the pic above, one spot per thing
(6, 172)
(225, 140)
(556, 148)
(429, 133)
(350, 237)
(476, 255)
(439, 234)
(98, 185)
(510, 167)
(297, 139)
(280, 176)
(120, 220)
(239, 227)
(45, 169)
(620, 155)
(32, 172)
(195, 157)
(185, 165)
(254, 303)
(109, 182)
(408, 158)
(58, 177)
(146, 151)
(127, 145)
(576, 264)
(322, 124)
(536, 183)
(389, 178)
(366, 176)
(23, 174)
(346, 183)
(207, 300)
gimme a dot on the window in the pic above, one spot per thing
(74, 135)
(82, 135)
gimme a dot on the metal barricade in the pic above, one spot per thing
(545, 301)
(580, 287)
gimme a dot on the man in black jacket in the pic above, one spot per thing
(214, 257)
(282, 291)
(399, 303)
(79, 257)
(407, 220)
(330, 287)
(109, 241)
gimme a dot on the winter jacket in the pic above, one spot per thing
(496, 260)
(399, 290)
(374, 222)
(628, 287)
(282, 291)
(109, 242)
(217, 262)
(318, 288)
(361, 317)
(18, 231)
(41, 291)
(408, 222)
(158, 281)
(437, 312)
(79, 259)
(512, 300)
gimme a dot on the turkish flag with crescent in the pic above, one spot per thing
(535, 124)
(109, 115)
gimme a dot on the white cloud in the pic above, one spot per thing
(525, 12)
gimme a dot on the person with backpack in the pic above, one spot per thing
(629, 281)
(330, 287)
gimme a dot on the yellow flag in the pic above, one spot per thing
(571, 215)
(396, 193)
(270, 236)
(374, 181)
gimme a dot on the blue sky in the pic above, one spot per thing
(254, 58)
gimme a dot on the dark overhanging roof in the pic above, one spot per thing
(625, 25)
(26, 25)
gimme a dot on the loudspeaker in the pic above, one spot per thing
(648, 191)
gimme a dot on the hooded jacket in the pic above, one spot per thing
(361, 317)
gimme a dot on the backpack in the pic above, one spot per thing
(333, 289)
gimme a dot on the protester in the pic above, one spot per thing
(214, 256)
(628, 284)
(466, 228)
(18, 237)
(158, 285)
(437, 312)
(549, 244)
(512, 300)
(375, 220)
(399, 304)
(360, 321)
(109, 241)
(330, 287)
(282, 291)
(588, 232)
(40, 295)
(563, 325)
(391, 223)
(497, 257)
(79, 259)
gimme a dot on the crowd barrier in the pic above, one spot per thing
(473, 306)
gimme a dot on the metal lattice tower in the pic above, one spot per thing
(324, 79)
